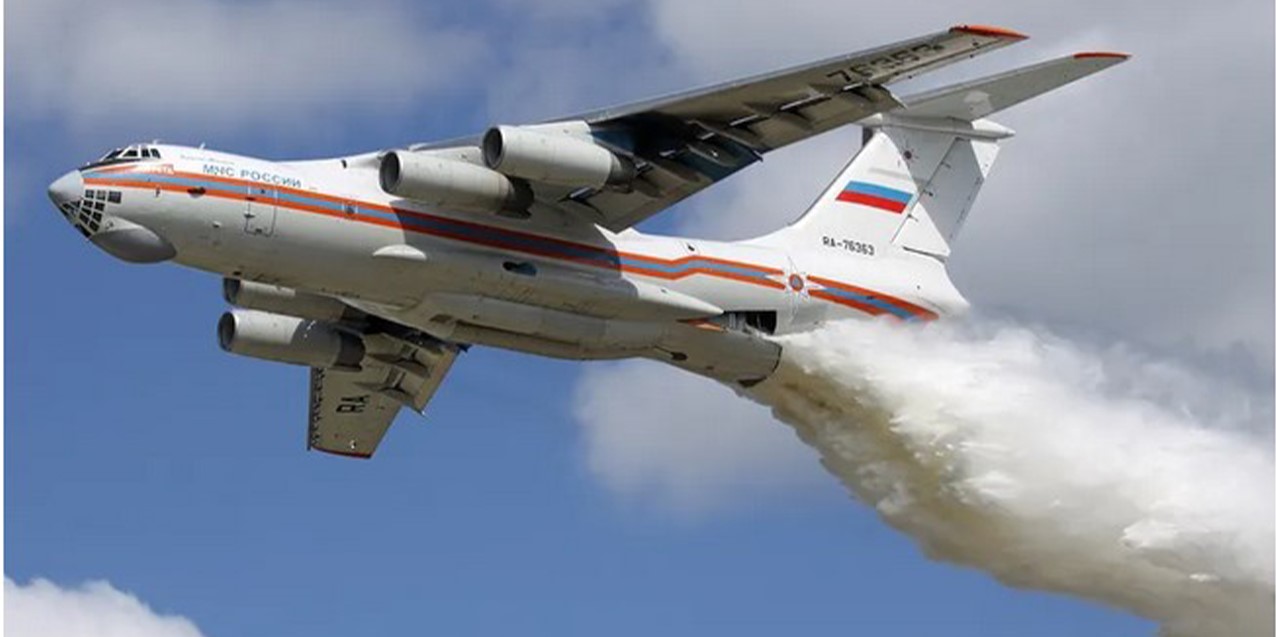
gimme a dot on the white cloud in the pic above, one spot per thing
(559, 11)
(94, 609)
(673, 439)
(278, 61)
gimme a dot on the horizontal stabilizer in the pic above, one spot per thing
(980, 98)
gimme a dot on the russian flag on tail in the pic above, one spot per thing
(875, 196)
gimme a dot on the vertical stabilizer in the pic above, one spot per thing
(912, 185)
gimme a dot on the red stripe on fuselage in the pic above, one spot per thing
(604, 253)
(605, 259)
(921, 312)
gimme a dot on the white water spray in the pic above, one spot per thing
(1097, 473)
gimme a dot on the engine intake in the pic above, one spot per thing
(554, 157)
(451, 183)
(289, 339)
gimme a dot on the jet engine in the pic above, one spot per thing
(441, 181)
(553, 154)
(289, 339)
(280, 300)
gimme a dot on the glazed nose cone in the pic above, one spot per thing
(67, 188)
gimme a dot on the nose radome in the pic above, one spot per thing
(68, 187)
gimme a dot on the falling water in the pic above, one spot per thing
(1095, 472)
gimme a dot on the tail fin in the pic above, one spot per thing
(912, 184)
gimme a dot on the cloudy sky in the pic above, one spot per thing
(151, 478)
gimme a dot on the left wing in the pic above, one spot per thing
(350, 410)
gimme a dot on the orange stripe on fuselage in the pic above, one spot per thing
(920, 311)
(863, 307)
(605, 255)
(609, 252)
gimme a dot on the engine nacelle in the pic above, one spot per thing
(289, 339)
(451, 183)
(551, 154)
(280, 300)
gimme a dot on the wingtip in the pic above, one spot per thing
(1100, 54)
(344, 454)
(989, 31)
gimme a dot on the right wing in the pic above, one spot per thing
(694, 139)
(350, 410)
(778, 108)
(686, 142)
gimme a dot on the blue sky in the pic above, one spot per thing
(139, 453)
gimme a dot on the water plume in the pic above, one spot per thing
(1096, 472)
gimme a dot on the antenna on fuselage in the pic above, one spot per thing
(201, 145)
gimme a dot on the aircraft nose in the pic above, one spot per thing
(66, 189)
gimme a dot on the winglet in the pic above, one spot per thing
(992, 32)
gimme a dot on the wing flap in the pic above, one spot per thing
(980, 98)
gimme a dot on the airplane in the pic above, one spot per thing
(377, 270)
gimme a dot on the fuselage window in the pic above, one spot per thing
(113, 196)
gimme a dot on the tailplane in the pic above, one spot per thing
(912, 184)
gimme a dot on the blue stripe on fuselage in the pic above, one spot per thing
(870, 300)
(469, 231)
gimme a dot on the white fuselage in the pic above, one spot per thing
(552, 283)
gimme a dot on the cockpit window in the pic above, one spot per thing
(126, 154)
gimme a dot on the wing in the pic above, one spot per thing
(685, 142)
(350, 410)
